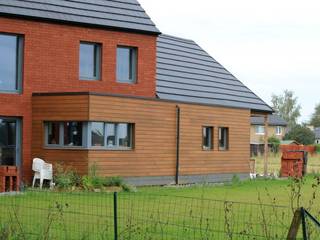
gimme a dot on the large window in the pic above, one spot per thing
(89, 135)
(126, 64)
(90, 61)
(10, 63)
(260, 130)
(223, 138)
(207, 138)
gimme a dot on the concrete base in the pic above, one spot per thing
(188, 179)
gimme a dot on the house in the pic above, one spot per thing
(317, 135)
(87, 83)
(276, 127)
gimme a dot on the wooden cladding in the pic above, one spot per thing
(154, 153)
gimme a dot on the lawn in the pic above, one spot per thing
(194, 212)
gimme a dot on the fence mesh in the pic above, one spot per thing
(51, 215)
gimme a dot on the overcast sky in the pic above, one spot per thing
(270, 45)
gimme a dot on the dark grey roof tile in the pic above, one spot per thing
(274, 120)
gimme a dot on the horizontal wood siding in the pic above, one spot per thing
(59, 108)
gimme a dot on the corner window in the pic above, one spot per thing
(11, 48)
(260, 130)
(279, 130)
(223, 139)
(97, 134)
(126, 64)
(90, 61)
(207, 138)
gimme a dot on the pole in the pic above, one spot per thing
(115, 215)
(178, 145)
(266, 147)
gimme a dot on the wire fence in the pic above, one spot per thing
(52, 215)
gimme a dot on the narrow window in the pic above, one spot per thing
(207, 135)
(278, 130)
(97, 134)
(90, 61)
(53, 133)
(10, 63)
(111, 135)
(124, 133)
(126, 64)
(72, 134)
(223, 139)
(260, 130)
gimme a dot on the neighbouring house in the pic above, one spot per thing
(317, 135)
(95, 82)
(277, 127)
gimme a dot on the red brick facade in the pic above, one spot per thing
(51, 64)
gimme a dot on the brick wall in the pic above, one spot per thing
(51, 64)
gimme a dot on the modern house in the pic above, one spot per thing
(317, 135)
(277, 127)
(95, 82)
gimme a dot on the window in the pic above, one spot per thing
(53, 133)
(126, 64)
(10, 63)
(119, 135)
(72, 134)
(90, 61)
(207, 135)
(260, 130)
(223, 139)
(97, 134)
(279, 130)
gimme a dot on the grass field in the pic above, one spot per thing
(195, 212)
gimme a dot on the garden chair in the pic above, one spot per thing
(42, 171)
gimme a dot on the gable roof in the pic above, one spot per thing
(274, 120)
(120, 14)
(186, 73)
(317, 133)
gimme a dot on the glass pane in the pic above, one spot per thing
(97, 134)
(7, 142)
(223, 138)
(73, 134)
(207, 138)
(126, 64)
(124, 135)
(53, 134)
(88, 61)
(111, 135)
(8, 62)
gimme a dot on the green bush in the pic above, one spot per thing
(275, 144)
(317, 148)
(90, 183)
(65, 178)
(114, 182)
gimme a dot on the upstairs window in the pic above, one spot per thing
(10, 63)
(90, 61)
(279, 130)
(223, 139)
(126, 65)
(260, 130)
(207, 138)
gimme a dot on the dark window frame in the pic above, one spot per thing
(133, 65)
(19, 63)
(211, 147)
(97, 61)
(227, 141)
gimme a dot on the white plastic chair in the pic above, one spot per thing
(42, 171)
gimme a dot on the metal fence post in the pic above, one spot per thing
(115, 215)
(304, 226)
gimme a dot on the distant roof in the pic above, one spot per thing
(274, 120)
(186, 73)
(120, 14)
(317, 133)
(289, 142)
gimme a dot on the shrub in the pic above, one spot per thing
(114, 182)
(90, 183)
(275, 144)
(317, 148)
(65, 178)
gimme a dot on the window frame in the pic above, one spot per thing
(19, 63)
(227, 147)
(211, 147)
(97, 61)
(257, 127)
(278, 133)
(134, 65)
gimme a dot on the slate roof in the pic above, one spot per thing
(186, 73)
(274, 120)
(119, 14)
(317, 133)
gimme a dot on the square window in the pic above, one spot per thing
(72, 133)
(126, 64)
(97, 134)
(260, 130)
(10, 63)
(90, 61)
(223, 138)
(207, 138)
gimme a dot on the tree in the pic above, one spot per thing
(286, 105)
(301, 134)
(315, 119)
(274, 142)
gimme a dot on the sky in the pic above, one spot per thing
(269, 45)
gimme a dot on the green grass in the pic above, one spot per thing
(195, 212)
